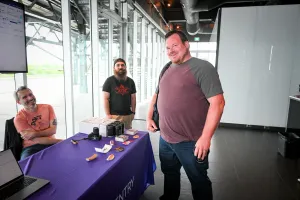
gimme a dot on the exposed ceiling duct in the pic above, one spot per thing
(192, 18)
(191, 9)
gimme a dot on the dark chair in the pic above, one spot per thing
(12, 139)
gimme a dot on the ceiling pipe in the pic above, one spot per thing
(192, 18)
(207, 5)
(191, 9)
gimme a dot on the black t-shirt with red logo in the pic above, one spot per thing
(120, 95)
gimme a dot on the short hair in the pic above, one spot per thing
(21, 88)
(182, 36)
(119, 60)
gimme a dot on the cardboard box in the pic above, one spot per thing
(87, 125)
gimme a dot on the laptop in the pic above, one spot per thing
(13, 184)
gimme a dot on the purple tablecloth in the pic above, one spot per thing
(72, 177)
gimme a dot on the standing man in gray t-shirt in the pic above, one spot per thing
(190, 105)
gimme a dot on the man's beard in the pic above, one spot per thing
(31, 104)
(181, 59)
(120, 74)
(32, 101)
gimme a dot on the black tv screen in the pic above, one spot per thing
(293, 121)
(12, 37)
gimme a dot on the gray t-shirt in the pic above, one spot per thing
(182, 100)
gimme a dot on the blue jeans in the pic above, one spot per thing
(172, 157)
(28, 151)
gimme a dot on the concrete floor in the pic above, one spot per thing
(244, 165)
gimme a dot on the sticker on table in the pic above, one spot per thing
(105, 149)
(127, 142)
(110, 157)
(111, 142)
(74, 142)
(93, 157)
(136, 136)
(119, 149)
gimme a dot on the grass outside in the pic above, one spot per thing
(40, 70)
(45, 69)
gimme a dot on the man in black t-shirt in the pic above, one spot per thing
(119, 95)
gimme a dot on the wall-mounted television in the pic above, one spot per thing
(12, 37)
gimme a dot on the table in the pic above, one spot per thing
(72, 177)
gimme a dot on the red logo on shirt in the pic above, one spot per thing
(35, 119)
(122, 90)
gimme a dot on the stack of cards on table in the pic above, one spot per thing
(121, 138)
(131, 131)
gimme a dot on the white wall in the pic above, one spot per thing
(295, 81)
(256, 58)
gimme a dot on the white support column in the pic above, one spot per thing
(124, 34)
(143, 64)
(110, 45)
(124, 10)
(68, 75)
(20, 80)
(112, 5)
(158, 64)
(134, 63)
(149, 64)
(95, 57)
(124, 30)
(164, 55)
(161, 64)
(154, 51)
